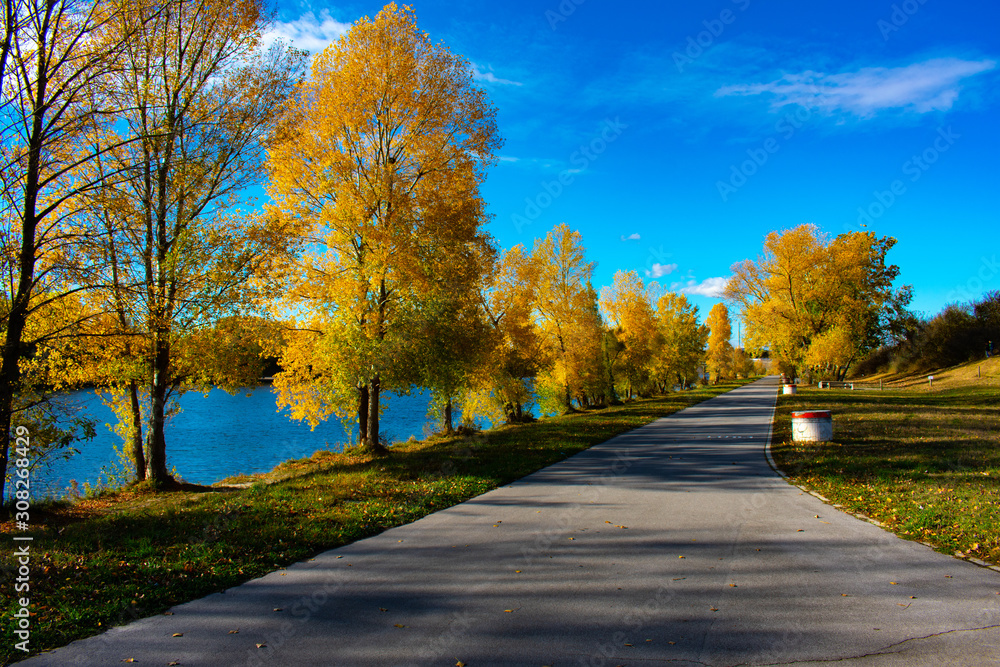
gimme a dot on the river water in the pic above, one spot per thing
(219, 435)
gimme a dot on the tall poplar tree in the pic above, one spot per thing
(201, 101)
(390, 142)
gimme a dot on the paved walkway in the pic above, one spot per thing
(673, 544)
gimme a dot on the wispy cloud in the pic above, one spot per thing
(631, 237)
(710, 287)
(488, 76)
(932, 85)
(309, 32)
(660, 270)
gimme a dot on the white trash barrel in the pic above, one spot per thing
(788, 389)
(812, 426)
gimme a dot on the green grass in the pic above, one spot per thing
(107, 561)
(925, 464)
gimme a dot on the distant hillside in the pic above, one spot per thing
(984, 373)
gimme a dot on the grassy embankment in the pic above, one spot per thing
(922, 460)
(106, 561)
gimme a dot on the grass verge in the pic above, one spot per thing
(925, 464)
(108, 561)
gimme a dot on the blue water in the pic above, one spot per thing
(219, 435)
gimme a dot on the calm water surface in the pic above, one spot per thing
(219, 435)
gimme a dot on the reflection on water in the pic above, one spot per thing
(220, 435)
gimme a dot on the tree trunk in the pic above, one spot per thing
(138, 456)
(156, 465)
(374, 444)
(10, 377)
(362, 415)
(447, 418)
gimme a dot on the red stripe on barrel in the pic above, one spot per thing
(815, 414)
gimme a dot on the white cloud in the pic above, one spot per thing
(308, 32)
(710, 287)
(660, 270)
(932, 85)
(489, 77)
(631, 237)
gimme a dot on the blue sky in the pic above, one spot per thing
(675, 135)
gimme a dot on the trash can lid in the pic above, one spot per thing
(812, 414)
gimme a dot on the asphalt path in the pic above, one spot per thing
(673, 544)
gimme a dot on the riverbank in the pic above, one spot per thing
(103, 562)
(922, 461)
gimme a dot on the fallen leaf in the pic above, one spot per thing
(517, 571)
(732, 585)
(177, 634)
(712, 609)
(382, 609)
(572, 538)
(234, 632)
(800, 531)
(168, 613)
(844, 595)
(173, 664)
(680, 556)
(913, 597)
(671, 643)
(400, 625)
(509, 611)
(894, 583)
(459, 664)
(128, 660)
(277, 608)
(261, 645)
(628, 645)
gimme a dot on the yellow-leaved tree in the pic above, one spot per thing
(182, 270)
(633, 322)
(684, 340)
(818, 302)
(720, 350)
(55, 60)
(380, 174)
(569, 321)
(502, 391)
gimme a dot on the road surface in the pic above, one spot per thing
(674, 544)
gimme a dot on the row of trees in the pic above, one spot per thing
(131, 131)
(526, 324)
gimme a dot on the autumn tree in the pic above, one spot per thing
(502, 391)
(201, 102)
(683, 340)
(569, 320)
(818, 302)
(381, 172)
(633, 321)
(720, 350)
(55, 56)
